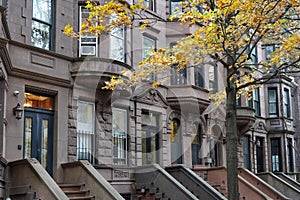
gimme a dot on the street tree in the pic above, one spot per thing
(227, 32)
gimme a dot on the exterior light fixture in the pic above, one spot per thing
(18, 112)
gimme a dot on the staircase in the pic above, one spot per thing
(148, 192)
(76, 191)
(23, 192)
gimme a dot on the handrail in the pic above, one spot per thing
(93, 180)
(261, 183)
(161, 179)
(34, 174)
(196, 180)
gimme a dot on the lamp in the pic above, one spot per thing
(18, 112)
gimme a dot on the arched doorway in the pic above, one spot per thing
(176, 146)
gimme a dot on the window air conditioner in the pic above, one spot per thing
(88, 50)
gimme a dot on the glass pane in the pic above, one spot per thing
(176, 8)
(85, 117)
(40, 35)
(272, 95)
(38, 101)
(149, 119)
(28, 133)
(117, 49)
(148, 44)
(45, 126)
(42, 10)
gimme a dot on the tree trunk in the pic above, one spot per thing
(231, 143)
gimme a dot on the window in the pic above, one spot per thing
(150, 4)
(268, 51)
(290, 159)
(117, 43)
(119, 135)
(276, 155)
(212, 77)
(253, 54)
(88, 44)
(42, 24)
(286, 103)
(199, 80)
(178, 77)
(256, 101)
(272, 102)
(85, 130)
(175, 7)
(246, 152)
(148, 45)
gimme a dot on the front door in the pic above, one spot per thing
(38, 136)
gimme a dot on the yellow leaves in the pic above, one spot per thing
(111, 85)
(218, 97)
(155, 84)
(68, 30)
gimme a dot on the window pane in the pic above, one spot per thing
(176, 7)
(117, 49)
(40, 35)
(119, 134)
(148, 44)
(85, 117)
(38, 101)
(42, 10)
(28, 132)
(44, 143)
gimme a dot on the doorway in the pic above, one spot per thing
(38, 129)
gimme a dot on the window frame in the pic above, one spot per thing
(117, 37)
(286, 103)
(273, 114)
(276, 165)
(50, 24)
(256, 101)
(87, 43)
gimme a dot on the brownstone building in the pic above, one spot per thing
(140, 143)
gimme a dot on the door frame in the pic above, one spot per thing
(37, 114)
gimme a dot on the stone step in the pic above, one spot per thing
(80, 193)
(70, 187)
(82, 198)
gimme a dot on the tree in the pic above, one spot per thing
(227, 32)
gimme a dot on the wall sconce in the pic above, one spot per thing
(18, 112)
